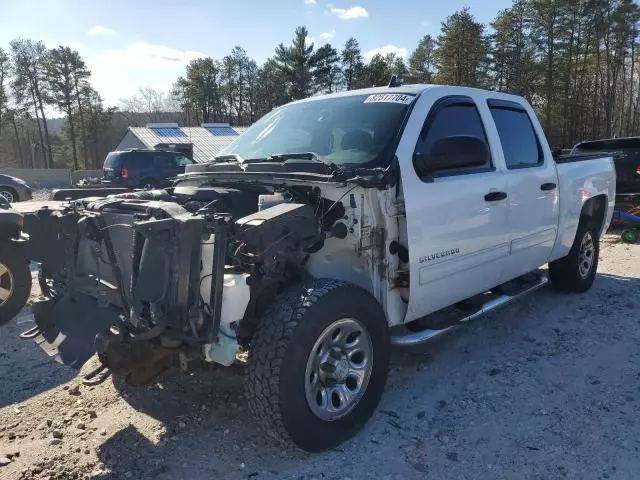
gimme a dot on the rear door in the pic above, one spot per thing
(532, 187)
(456, 219)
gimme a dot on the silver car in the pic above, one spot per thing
(14, 189)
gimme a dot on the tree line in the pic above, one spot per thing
(575, 61)
(35, 80)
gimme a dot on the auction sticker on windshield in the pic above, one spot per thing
(389, 98)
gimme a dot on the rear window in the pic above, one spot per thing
(518, 138)
(112, 160)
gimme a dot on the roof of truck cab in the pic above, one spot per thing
(413, 89)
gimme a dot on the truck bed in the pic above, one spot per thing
(580, 157)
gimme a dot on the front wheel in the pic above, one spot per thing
(8, 194)
(15, 280)
(577, 271)
(318, 364)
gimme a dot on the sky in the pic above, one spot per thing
(133, 43)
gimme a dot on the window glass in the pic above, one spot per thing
(348, 130)
(450, 121)
(112, 160)
(519, 142)
(184, 161)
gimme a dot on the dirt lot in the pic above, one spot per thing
(548, 388)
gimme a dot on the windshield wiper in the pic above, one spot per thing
(283, 157)
(229, 157)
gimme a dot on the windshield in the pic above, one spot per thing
(349, 130)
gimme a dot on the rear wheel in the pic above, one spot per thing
(577, 271)
(15, 280)
(148, 184)
(318, 364)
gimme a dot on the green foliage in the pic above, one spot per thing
(5, 67)
(462, 50)
(422, 62)
(576, 61)
(296, 63)
(327, 72)
(352, 64)
(62, 68)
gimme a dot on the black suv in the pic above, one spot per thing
(143, 168)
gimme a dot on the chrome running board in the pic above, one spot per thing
(423, 336)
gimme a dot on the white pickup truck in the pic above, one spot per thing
(333, 228)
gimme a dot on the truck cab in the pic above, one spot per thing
(472, 227)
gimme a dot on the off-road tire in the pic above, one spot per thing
(278, 355)
(564, 272)
(13, 257)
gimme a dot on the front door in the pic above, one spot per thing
(456, 219)
(167, 166)
(532, 189)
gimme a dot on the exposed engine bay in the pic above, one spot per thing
(149, 278)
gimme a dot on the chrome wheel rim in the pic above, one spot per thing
(586, 255)
(6, 284)
(8, 196)
(338, 369)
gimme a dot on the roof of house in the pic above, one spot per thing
(207, 140)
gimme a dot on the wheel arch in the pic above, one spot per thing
(594, 210)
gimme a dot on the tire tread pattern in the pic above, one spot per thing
(269, 346)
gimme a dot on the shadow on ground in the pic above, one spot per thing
(209, 428)
(25, 370)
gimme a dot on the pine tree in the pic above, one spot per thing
(422, 62)
(352, 64)
(62, 66)
(297, 63)
(28, 85)
(5, 67)
(462, 50)
(326, 74)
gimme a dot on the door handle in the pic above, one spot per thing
(546, 187)
(495, 196)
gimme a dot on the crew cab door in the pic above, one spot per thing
(456, 218)
(532, 187)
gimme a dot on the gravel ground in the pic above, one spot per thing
(547, 388)
(42, 194)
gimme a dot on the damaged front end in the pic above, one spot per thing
(140, 278)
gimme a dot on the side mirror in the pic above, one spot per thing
(462, 151)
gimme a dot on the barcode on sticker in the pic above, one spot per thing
(389, 98)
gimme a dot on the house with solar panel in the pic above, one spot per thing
(200, 143)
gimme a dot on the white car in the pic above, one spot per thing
(331, 229)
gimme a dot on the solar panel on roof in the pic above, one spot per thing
(222, 131)
(168, 132)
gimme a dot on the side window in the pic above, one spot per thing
(450, 119)
(518, 138)
(184, 161)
